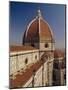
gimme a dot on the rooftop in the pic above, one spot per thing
(21, 48)
(24, 77)
(58, 53)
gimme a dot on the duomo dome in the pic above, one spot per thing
(38, 30)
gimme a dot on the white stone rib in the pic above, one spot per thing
(29, 25)
(48, 26)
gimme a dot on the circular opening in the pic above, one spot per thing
(32, 45)
(46, 45)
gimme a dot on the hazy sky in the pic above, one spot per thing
(22, 13)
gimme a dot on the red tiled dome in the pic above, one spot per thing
(38, 29)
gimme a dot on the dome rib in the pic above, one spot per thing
(38, 29)
(30, 25)
(32, 33)
(49, 27)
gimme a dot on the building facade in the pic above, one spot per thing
(33, 63)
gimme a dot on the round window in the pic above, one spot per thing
(32, 44)
(46, 45)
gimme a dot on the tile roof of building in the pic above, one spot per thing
(58, 53)
(21, 48)
(32, 33)
(24, 77)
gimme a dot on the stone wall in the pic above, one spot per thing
(40, 78)
(22, 60)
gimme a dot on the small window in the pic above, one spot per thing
(26, 61)
(32, 45)
(36, 57)
(46, 45)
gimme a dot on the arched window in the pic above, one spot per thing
(26, 61)
(46, 45)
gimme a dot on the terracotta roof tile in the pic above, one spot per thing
(21, 48)
(22, 79)
(58, 53)
(45, 31)
(33, 32)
